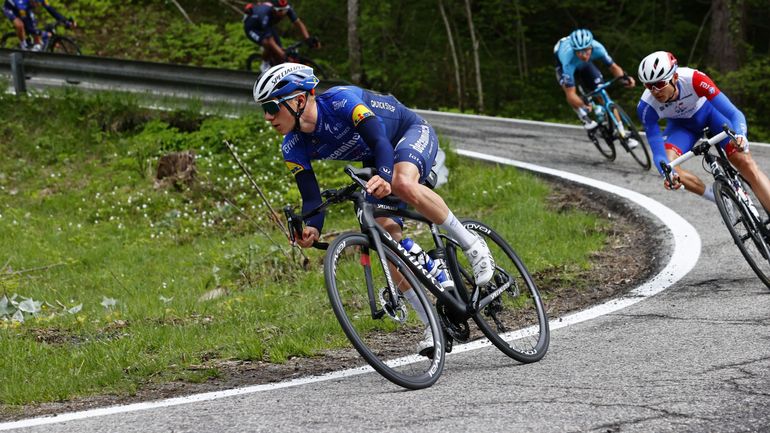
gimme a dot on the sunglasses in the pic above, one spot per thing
(658, 86)
(273, 107)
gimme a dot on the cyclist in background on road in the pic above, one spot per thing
(259, 22)
(22, 16)
(690, 101)
(575, 55)
(351, 124)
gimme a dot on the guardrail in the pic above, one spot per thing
(210, 84)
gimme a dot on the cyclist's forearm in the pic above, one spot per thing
(303, 30)
(51, 10)
(737, 120)
(311, 197)
(373, 134)
(616, 70)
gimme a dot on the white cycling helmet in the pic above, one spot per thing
(282, 80)
(658, 66)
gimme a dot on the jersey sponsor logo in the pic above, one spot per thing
(382, 105)
(360, 112)
(422, 141)
(293, 167)
(344, 148)
(339, 104)
(288, 145)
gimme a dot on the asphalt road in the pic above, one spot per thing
(695, 357)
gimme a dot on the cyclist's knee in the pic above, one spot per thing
(404, 186)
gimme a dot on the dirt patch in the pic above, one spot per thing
(631, 255)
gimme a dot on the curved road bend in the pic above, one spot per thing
(695, 357)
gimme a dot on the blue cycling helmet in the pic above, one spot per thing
(581, 39)
(284, 79)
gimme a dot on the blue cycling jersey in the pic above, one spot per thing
(22, 9)
(259, 25)
(340, 110)
(354, 124)
(568, 61)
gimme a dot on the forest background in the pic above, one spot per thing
(493, 57)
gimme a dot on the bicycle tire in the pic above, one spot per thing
(318, 71)
(9, 41)
(606, 146)
(256, 57)
(389, 346)
(640, 153)
(744, 229)
(63, 45)
(516, 321)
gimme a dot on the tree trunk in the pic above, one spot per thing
(453, 49)
(475, 44)
(354, 43)
(728, 28)
(521, 44)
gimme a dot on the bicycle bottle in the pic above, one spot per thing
(435, 267)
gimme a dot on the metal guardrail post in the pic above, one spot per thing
(17, 72)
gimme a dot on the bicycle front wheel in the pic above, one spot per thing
(640, 153)
(743, 225)
(63, 45)
(9, 40)
(389, 340)
(515, 322)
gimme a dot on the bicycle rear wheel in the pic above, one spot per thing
(356, 285)
(515, 322)
(253, 62)
(602, 139)
(640, 153)
(63, 45)
(744, 227)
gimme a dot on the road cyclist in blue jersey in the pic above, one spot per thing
(574, 56)
(259, 22)
(352, 124)
(21, 13)
(690, 101)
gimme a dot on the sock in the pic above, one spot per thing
(457, 231)
(414, 301)
(709, 194)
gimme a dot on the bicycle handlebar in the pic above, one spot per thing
(332, 196)
(605, 85)
(699, 149)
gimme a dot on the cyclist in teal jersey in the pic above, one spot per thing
(574, 56)
(351, 124)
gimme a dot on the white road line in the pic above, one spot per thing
(687, 246)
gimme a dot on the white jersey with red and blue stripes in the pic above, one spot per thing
(699, 104)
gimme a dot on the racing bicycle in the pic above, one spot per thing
(254, 61)
(743, 214)
(614, 124)
(53, 42)
(363, 271)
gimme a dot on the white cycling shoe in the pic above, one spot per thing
(425, 346)
(481, 259)
(632, 143)
(590, 126)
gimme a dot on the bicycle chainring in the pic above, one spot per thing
(456, 329)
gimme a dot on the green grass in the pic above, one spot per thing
(119, 271)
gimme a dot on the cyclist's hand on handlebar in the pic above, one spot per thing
(741, 143)
(313, 42)
(309, 235)
(378, 187)
(628, 81)
(70, 24)
(675, 182)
